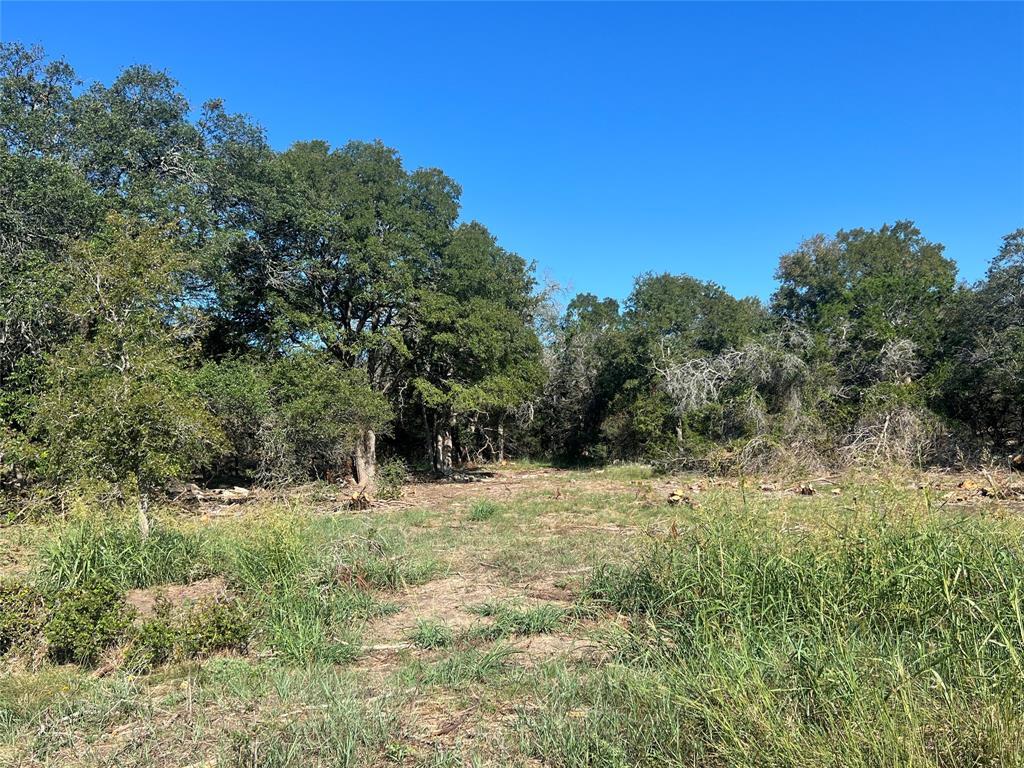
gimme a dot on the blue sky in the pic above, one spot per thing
(606, 140)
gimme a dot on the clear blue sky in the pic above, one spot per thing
(606, 140)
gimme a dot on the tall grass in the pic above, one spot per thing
(304, 588)
(99, 548)
(882, 643)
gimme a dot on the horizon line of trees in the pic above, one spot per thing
(179, 300)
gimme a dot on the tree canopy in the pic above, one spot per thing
(180, 300)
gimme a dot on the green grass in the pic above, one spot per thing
(873, 628)
(882, 642)
(514, 621)
(482, 510)
(430, 635)
(464, 666)
(110, 548)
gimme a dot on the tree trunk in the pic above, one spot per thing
(430, 433)
(467, 449)
(364, 462)
(443, 448)
(438, 450)
(501, 441)
(143, 516)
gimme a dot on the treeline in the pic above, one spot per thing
(869, 352)
(179, 300)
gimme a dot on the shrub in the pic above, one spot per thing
(216, 625)
(84, 621)
(325, 408)
(391, 476)
(239, 394)
(154, 640)
(21, 614)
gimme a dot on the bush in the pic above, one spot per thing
(84, 621)
(21, 614)
(154, 640)
(298, 417)
(238, 393)
(216, 625)
(392, 474)
(325, 408)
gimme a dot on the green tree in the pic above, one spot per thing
(668, 319)
(338, 256)
(865, 290)
(578, 391)
(986, 342)
(473, 350)
(118, 404)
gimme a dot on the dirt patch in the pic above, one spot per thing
(180, 596)
(536, 649)
(446, 600)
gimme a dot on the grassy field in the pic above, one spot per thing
(536, 617)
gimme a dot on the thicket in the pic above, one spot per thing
(178, 300)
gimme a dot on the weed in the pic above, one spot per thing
(392, 474)
(432, 634)
(112, 550)
(22, 613)
(482, 510)
(153, 641)
(215, 625)
(379, 562)
(471, 665)
(511, 621)
(885, 642)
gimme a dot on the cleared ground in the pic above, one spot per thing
(536, 616)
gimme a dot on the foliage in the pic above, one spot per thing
(118, 403)
(85, 620)
(326, 407)
(22, 612)
(392, 474)
(299, 416)
(180, 301)
(208, 627)
(239, 394)
(153, 641)
(214, 625)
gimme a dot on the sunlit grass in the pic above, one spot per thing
(871, 627)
